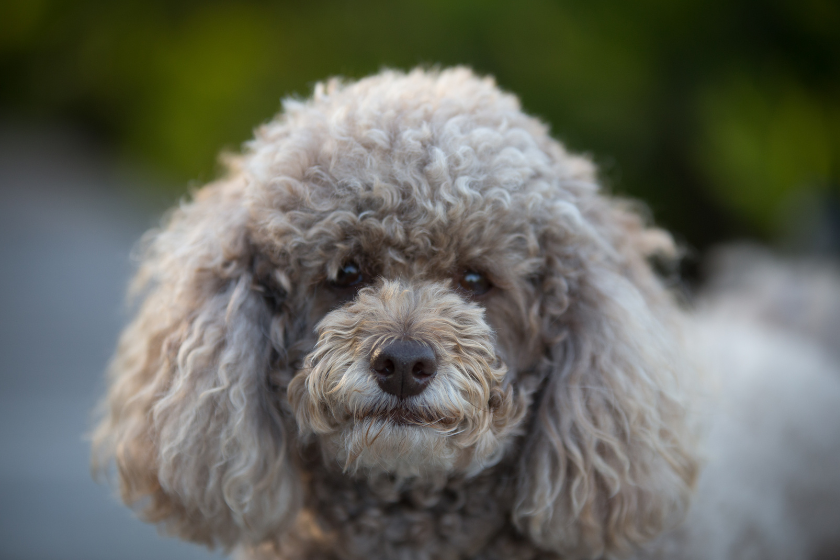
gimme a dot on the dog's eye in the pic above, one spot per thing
(349, 275)
(475, 283)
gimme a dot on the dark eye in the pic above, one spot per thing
(349, 275)
(475, 283)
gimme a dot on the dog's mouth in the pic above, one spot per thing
(406, 415)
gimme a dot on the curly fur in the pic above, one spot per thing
(242, 411)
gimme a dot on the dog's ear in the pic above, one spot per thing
(609, 460)
(190, 422)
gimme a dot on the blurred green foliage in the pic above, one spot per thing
(718, 113)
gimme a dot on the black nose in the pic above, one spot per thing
(404, 367)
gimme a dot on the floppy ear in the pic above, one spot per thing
(609, 460)
(198, 442)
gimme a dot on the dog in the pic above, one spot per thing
(409, 324)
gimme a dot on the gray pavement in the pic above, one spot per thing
(67, 225)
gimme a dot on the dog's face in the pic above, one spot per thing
(411, 245)
(411, 275)
(415, 312)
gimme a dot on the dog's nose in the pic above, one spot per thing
(404, 368)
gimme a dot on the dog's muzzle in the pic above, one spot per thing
(405, 379)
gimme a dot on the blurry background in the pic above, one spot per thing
(722, 115)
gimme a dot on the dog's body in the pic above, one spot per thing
(769, 485)
(409, 326)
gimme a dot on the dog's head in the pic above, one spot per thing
(409, 274)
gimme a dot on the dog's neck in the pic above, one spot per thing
(378, 516)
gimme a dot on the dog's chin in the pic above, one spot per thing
(393, 445)
(402, 443)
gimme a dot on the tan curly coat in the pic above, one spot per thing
(242, 410)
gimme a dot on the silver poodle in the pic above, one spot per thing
(408, 325)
